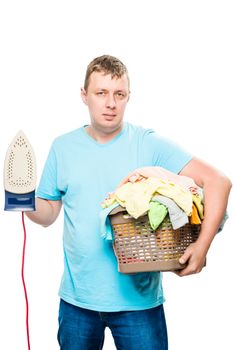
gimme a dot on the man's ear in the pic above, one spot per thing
(83, 95)
(128, 96)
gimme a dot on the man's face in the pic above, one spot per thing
(106, 98)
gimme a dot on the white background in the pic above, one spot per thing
(180, 57)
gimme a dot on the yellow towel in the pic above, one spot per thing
(136, 196)
(197, 200)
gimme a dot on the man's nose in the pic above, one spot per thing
(110, 101)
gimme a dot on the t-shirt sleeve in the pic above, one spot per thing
(48, 188)
(166, 153)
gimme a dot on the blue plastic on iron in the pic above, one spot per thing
(19, 202)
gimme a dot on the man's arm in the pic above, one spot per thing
(216, 187)
(46, 212)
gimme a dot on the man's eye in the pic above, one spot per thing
(120, 94)
(101, 93)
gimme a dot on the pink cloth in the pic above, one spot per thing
(161, 173)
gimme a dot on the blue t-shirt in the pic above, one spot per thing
(80, 172)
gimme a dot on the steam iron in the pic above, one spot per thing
(20, 175)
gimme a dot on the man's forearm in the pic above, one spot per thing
(216, 194)
(46, 212)
(216, 191)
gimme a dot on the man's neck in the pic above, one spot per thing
(102, 137)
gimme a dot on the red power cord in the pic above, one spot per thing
(23, 280)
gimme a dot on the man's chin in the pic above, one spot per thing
(111, 126)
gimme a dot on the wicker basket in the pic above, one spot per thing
(139, 248)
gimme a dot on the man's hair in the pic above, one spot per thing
(106, 64)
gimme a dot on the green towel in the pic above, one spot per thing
(156, 214)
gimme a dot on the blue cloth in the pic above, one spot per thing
(226, 216)
(105, 225)
(81, 172)
(82, 329)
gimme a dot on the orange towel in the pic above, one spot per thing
(194, 218)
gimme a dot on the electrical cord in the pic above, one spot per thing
(24, 285)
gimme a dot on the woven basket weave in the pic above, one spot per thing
(139, 248)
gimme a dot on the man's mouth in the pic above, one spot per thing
(109, 116)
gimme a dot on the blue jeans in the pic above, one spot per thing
(82, 329)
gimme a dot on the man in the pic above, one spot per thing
(82, 167)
